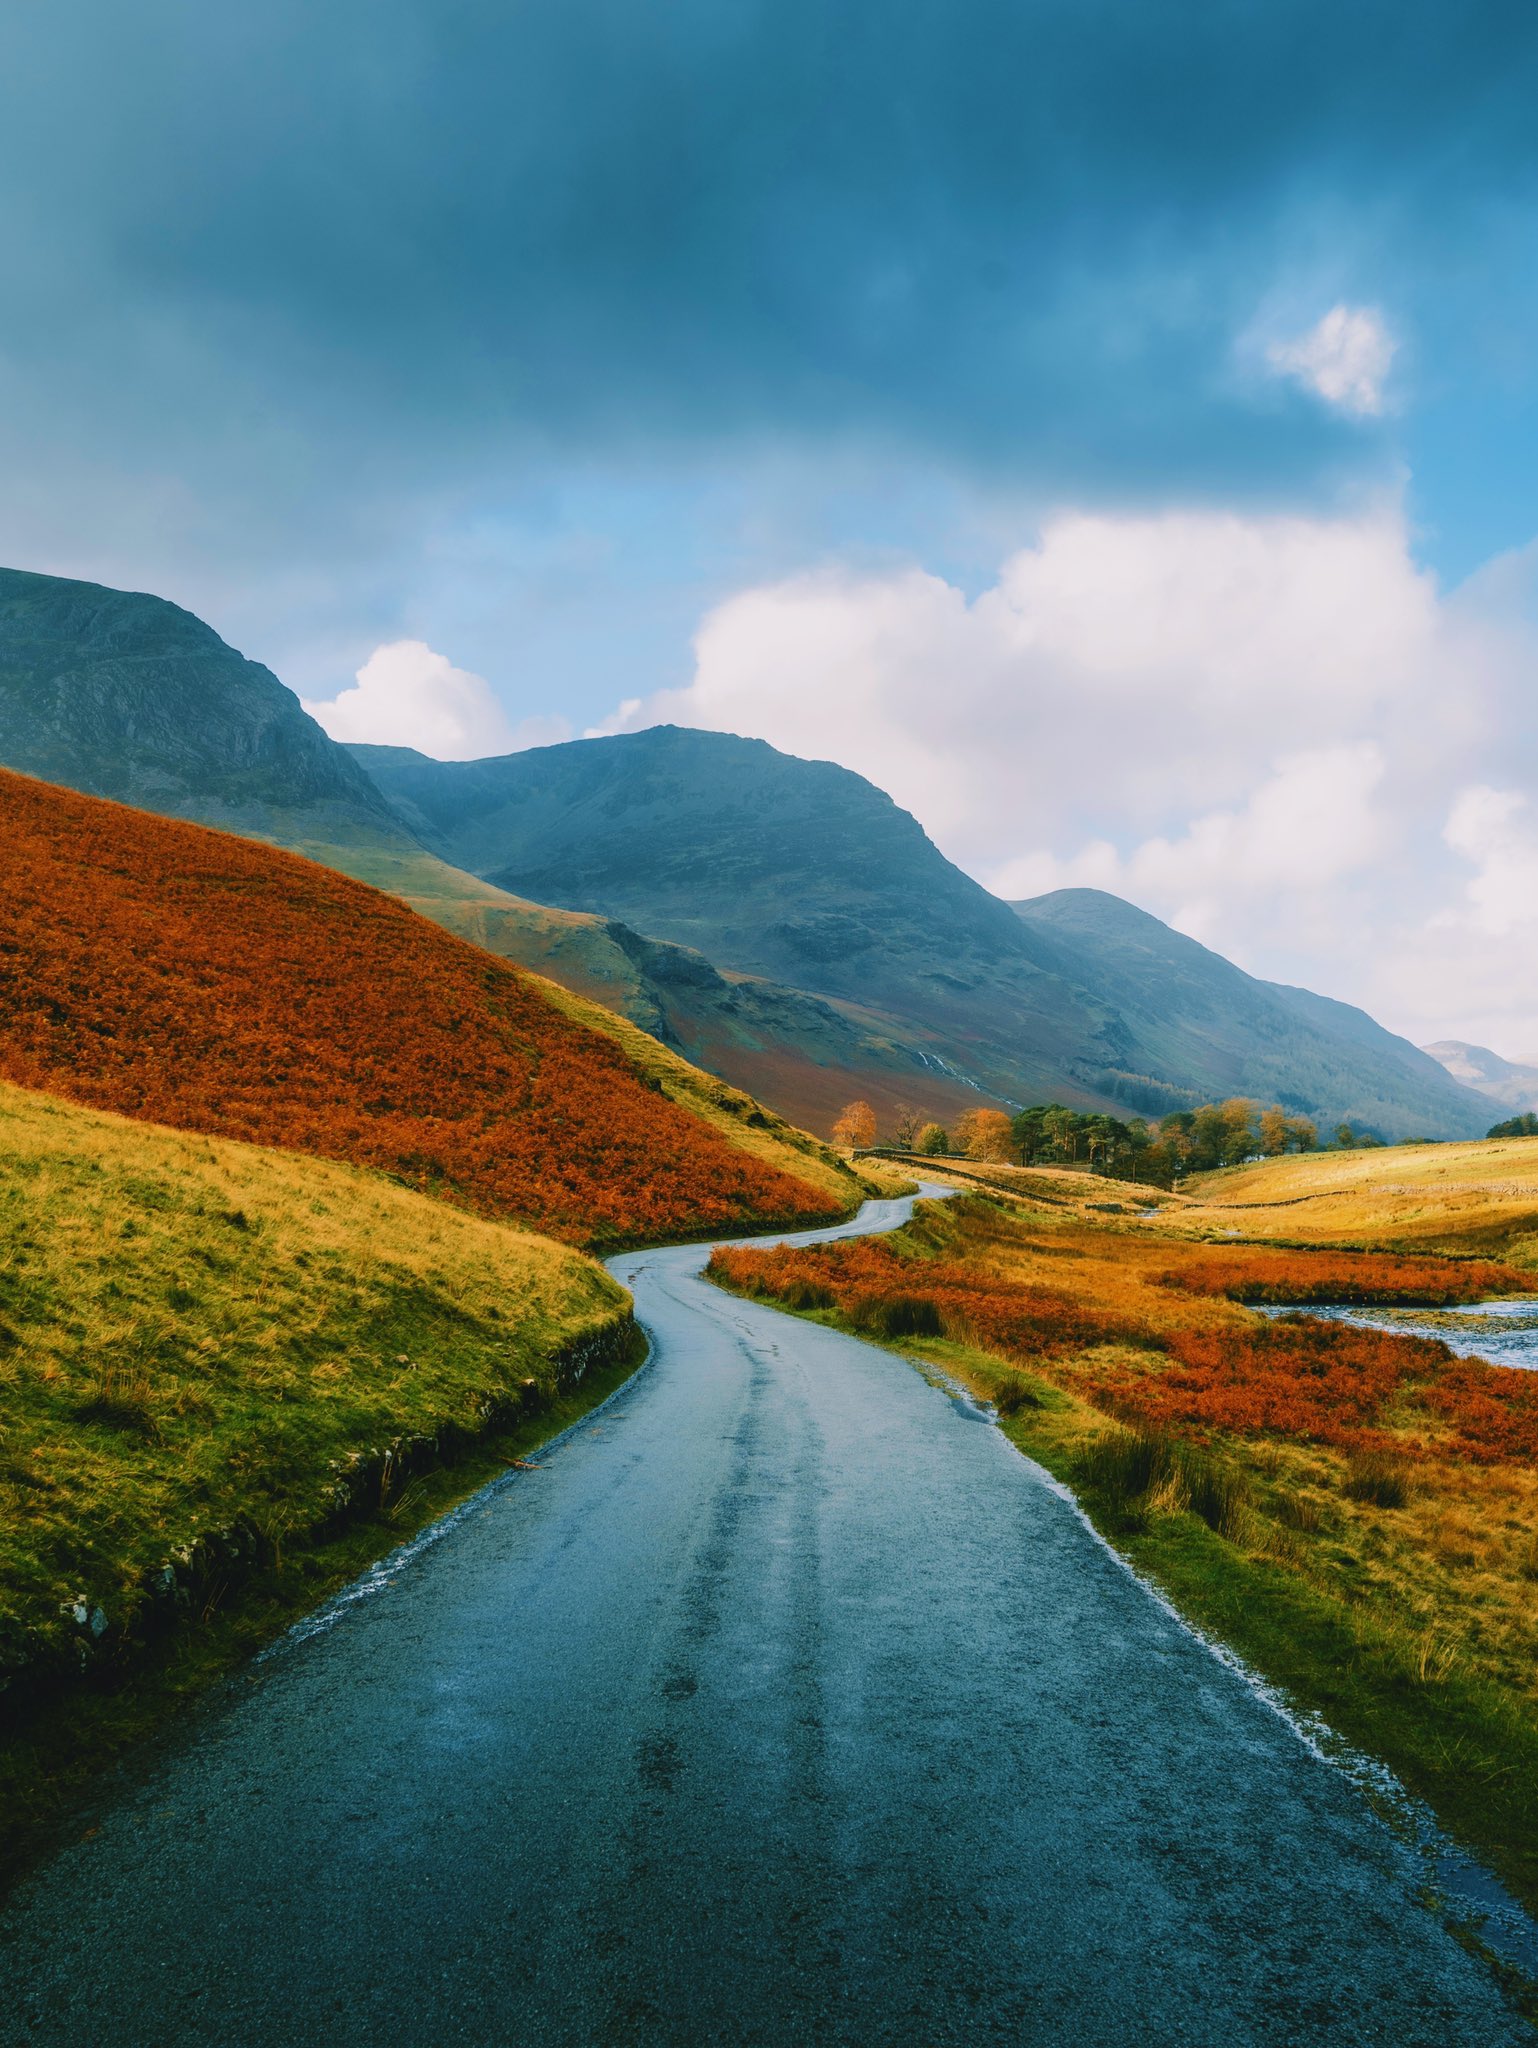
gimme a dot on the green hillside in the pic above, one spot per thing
(805, 872)
(1210, 1029)
(196, 1333)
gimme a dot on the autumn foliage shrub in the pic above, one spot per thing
(1323, 1382)
(195, 979)
(1262, 1274)
(861, 1275)
(1295, 1377)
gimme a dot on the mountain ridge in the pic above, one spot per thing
(1514, 1083)
(110, 692)
(725, 844)
(1373, 1073)
(783, 923)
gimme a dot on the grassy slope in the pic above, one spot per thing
(586, 976)
(199, 1336)
(193, 1329)
(1481, 1196)
(1411, 1628)
(810, 1058)
(215, 983)
(568, 946)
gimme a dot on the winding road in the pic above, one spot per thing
(783, 1703)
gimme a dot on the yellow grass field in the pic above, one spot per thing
(1479, 1197)
(196, 1333)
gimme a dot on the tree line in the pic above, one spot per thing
(1157, 1153)
(1523, 1126)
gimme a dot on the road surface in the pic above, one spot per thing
(783, 1704)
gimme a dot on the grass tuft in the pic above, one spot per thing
(1139, 1472)
(1012, 1393)
(898, 1315)
(1383, 1482)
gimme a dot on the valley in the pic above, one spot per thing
(327, 1076)
(768, 1026)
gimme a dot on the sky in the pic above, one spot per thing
(1110, 428)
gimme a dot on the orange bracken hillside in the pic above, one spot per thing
(184, 976)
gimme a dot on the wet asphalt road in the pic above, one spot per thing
(784, 1704)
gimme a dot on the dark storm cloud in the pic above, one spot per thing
(402, 234)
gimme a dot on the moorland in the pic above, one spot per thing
(298, 1200)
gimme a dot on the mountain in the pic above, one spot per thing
(1504, 1081)
(805, 872)
(798, 871)
(191, 978)
(780, 922)
(1208, 1028)
(122, 694)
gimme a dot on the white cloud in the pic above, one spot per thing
(618, 720)
(1469, 968)
(1254, 727)
(1121, 678)
(1494, 829)
(408, 696)
(1309, 824)
(1345, 359)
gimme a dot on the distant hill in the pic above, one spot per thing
(804, 872)
(204, 981)
(1504, 1081)
(1207, 1027)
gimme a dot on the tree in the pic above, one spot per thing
(1274, 1131)
(1302, 1134)
(907, 1122)
(1062, 1129)
(1345, 1137)
(1209, 1136)
(1241, 1137)
(933, 1141)
(1103, 1138)
(1030, 1134)
(1523, 1126)
(856, 1127)
(984, 1134)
